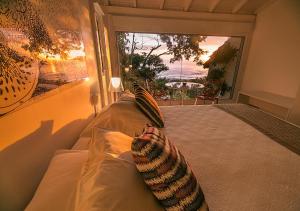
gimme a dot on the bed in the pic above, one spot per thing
(239, 167)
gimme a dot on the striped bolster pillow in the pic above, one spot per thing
(148, 105)
(166, 172)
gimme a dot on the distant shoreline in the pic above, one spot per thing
(183, 77)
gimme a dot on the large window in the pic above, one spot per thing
(180, 68)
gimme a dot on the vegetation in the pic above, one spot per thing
(145, 67)
(142, 63)
(184, 46)
(159, 87)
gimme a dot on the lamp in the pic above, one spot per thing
(116, 86)
(126, 69)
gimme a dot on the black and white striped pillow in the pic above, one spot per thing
(148, 105)
(166, 172)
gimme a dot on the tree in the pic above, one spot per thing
(184, 46)
(147, 67)
(215, 73)
(123, 42)
(148, 63)
(160, 84)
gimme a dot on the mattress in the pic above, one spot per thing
(238, 167)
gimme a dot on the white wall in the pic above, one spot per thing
(274, 59)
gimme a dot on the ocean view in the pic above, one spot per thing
(189, 71)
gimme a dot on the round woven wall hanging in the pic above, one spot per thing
(18, 79)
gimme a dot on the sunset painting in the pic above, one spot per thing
(38, 51)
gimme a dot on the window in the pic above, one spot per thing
(180, 68)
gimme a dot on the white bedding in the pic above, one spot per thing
(123, 116)
(238, 168)
(55, 192)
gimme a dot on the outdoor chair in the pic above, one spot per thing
(209, 93)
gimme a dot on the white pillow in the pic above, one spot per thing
(56, 190)
(123, 116)
(110, 142)
(127, 96)
(82, 143)
(103, 141)
(113, 185)
(110, 180)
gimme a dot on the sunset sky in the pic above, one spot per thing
(189, 68)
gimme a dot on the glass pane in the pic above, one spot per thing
(180, 69)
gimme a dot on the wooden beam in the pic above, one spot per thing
(162, 4)
(134, 3)
(214, 5)
(239, 5)
(187, 5)
(156, 13)
(181, 26)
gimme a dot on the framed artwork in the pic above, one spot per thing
(41, 49)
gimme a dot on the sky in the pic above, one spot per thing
(189, 68)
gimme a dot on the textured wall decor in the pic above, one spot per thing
(41, 48)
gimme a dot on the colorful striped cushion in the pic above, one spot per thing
(148, 105)
(166, 172)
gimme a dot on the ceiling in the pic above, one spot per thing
(213, 6)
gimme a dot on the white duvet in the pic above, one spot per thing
(238, 168)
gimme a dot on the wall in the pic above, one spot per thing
(294, 114)
(40, 128)
(30, 135)
(273, 62)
